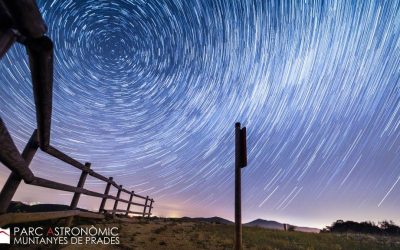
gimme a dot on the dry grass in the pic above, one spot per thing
(177, 234)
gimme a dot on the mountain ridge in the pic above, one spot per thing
(271, 224)
(17, 206)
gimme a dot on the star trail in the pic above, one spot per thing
(149, 91)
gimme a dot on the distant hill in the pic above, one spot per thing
(279, 226)
(265, 224)
(270, 224)
(215, 219)
(17, 206)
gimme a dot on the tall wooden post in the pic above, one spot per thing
(240, 162)
(151, 206)
(81, 183)
(145, 206)
(13, 181)
(116, 201)
(129, 204)
(75, 198)
(104, 200)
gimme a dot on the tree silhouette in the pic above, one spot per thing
(368, 227)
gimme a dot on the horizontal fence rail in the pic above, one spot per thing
(23, 23)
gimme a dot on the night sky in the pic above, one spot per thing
(149, 91)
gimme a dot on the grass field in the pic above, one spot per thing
(180, 234)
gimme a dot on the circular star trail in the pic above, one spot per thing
(149, 91)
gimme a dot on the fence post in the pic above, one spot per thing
(75, 198)
(81, 183)
(116, 201)
(129, 204)
(240, 162)
(13, 181)
(151, 206)
(145, 206)
(103, 201)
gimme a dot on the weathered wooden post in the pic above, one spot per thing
(13, 181)
(145, 206)
(104, 200)
(129, 204)
(151, 206)
(240, 162)
(81, 183)
(75, 198)
(10, 156)
(116, 200)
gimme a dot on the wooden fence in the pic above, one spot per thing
(21, 21)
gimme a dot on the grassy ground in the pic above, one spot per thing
(178, 234)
